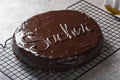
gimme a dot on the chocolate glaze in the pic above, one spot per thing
(58, 40)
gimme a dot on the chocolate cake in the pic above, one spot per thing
(58, 40)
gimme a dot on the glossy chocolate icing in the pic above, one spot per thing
(63, 38)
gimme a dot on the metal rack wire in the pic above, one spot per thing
(110, 25)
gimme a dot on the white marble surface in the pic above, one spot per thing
(14, 12)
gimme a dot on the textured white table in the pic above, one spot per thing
(14, 12)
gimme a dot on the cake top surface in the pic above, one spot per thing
(58, 34)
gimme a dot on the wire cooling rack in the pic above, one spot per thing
(110, 26)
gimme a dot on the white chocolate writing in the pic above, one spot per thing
(64, 35)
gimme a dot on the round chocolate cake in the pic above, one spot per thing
(58, 40)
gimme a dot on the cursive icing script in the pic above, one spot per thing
(64, 35)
